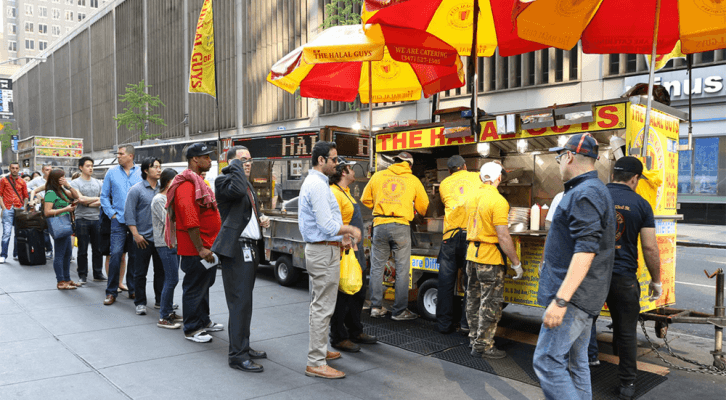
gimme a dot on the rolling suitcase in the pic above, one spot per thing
(31, 247)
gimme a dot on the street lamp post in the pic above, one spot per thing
(41, 59)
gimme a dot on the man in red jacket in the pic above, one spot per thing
(13, 194)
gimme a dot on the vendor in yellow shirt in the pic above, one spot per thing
(393, 194)
(452, 255)
(489, 243)
(345, 327)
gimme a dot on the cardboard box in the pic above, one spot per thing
(442, 174)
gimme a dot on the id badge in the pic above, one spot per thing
(247, 252)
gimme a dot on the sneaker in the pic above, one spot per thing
(594, 363)
(49, 255)
(492, 353)
(168, 324)
(214, 327)
(626, 392)
(2, 260)
(141, 309)
(100, 279)
(378, 312)
(176, 317)
(82, 281)
(157, 306)
(406, 315)
(175, 306)
(200, 337)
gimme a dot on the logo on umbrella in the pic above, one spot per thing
(386, 69)
(459, 16)
(568, 8)
(714, 7)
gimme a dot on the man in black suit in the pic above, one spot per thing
(239, 246)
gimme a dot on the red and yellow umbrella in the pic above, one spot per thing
(616, 26)
(452, 21)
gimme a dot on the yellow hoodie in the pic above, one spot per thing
(454, 190)
(395, 192)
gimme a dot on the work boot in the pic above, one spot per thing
(626, 391)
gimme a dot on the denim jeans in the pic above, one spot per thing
(170, 261)
(119, 237)
(62, 258)
(48, 243)
(389, 238)
(452, 258)
(88, 232)
(8, 220)
(195, 297)
(141, 269)
(560, 359)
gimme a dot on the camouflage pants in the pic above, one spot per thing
(484, 303)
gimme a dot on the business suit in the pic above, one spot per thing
(236, 199)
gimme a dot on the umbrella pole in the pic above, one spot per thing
(475, 74)
(651, 81)
(689, 59)
(371, 139)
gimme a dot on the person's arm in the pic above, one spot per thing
(421, 201)
(106, 197)
(651, 254)
(324, 216)
(367, 197)
(35, 195)
(506, 243)
(140, 240)
(187, 212)
(48, 210)
(130, 215)
(231, 185)
(500, 220)
(579, 266)
(196, 238)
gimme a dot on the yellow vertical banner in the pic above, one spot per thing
(201, 71)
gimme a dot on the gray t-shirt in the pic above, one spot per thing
(36, 183)
(88, 188)
(158, 218)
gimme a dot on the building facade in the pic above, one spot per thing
(75, 92)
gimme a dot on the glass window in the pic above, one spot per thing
(56, 13)
(69, 15)
(81, 2)
(94, 3)
(42, 45)
(81, 17)
(12, 29)
(29, 27)
(30, 44)
(12, 46)
(43, 12)
(43, 29)
(684, 169)
(29, 10)
(56, 29)
(11, 12)
(705, 171)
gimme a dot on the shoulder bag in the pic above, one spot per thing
(60, 226)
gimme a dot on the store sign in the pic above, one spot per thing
(707, 82)
(607, 117)
(300, 145)
(6, 99)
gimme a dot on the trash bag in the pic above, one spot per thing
(351, 276)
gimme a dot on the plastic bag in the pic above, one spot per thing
(351, 276)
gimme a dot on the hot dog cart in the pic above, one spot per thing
(520, 140)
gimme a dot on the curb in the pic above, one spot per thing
(688, 243)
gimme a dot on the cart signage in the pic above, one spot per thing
(607, 117)
(425, 263)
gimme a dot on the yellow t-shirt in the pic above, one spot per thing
(487, 209)
(395, 192)
(346, 207)
(453, 191)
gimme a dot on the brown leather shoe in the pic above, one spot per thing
(109, 300)
(324, 371)
(346, 345)
(332, 355)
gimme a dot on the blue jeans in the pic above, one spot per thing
(48, 243)
(560, 359)
(62, 258)
(141, 269)
(8, 222)
(119, 237)
(88, 232)
(389, 238)
(195, 298)
(170, 261)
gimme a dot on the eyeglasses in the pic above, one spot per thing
(560, 156)
(334, 159)
(246, 160)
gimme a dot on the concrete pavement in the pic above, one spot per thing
(67, 344)
(695, 235)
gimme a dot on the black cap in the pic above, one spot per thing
(582, 143)
(456, 161)
(404, 156)
(629, 164)
(199, 149)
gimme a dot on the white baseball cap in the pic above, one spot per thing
(490, 172)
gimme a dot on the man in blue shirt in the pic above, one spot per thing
(634, 217)
(321, 226)
(137, 213)
(116, 186)
(575, 278)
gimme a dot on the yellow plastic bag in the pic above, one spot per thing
(351, 276)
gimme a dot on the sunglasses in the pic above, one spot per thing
(559, 156)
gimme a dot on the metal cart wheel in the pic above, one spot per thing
(426, 301)
(285, 273)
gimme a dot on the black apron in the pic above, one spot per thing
(357, 221)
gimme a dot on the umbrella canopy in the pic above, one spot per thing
(616, 26)
(391, 80)
(351, 43)
(452, 21)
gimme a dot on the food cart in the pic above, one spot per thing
(520, 140)
(60, 152)
(281, 160)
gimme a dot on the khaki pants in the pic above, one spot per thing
(323, 265)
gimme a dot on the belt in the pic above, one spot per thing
(336, 244)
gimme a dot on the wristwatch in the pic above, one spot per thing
(562, 303)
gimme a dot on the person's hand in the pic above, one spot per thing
(553, 315)
(655, 290)
(206, 254)
(518, 269)
(356, 234)
(140, 241)
(69, 208)
(63, 182)
(265, 223)
(347, 242)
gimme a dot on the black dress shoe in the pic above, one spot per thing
(364, 338)
(256, 355)
(247, 366)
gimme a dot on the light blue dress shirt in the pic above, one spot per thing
(319, 217)
(116, 186)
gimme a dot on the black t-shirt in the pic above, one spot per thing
(632, 213)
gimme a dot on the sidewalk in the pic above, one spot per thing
(701, 235)
(68, 345)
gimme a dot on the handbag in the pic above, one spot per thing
(61, 226)
(351, 276)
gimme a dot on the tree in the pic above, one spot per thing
(7, 135)
(342, 12)
(137, 115)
